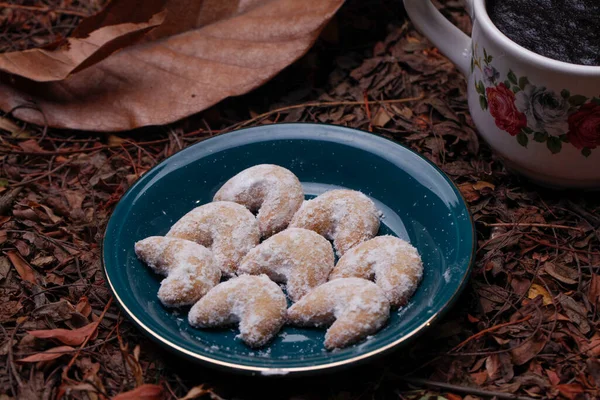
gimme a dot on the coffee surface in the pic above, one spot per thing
(565, 30)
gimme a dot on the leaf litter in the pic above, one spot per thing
(526, 326)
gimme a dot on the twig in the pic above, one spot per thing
(555, 246)
(324, 104)
(44, 9)
(533, 225)
(37, 178)
(463, 389)
(488, 330)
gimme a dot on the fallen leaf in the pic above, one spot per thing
(381, 118)
(58, 311)
(593, 367)
(538, 290)
(479, 378)
(84, 307)
(78, 52)
(7, 125)
(570, 390)
(73, 337)
(115, 141)
(499, 366)
(144, 392)
(483, 185)
(24, 270)
(561, 273)
(200, 391)
(528, 350)
(231, 47)
(48, 355)
(4, 267)
(575, 311)
(594, 290)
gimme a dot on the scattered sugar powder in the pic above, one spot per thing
(293, 338)
(274, 371)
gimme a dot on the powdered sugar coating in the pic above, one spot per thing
(354, 307)
(347, 217)
(190, 269)
(301, 258)
(272, 191)
(393, 263)
(256, 302)
(227, 228)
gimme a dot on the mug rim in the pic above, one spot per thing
(485, 22)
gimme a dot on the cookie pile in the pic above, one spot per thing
(226, 259)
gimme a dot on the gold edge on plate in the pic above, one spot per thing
(281, 370)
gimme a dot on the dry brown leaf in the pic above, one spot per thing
(536, 290)
(25, 271)
(83, 49)
(14, 129)
(144, 392)
(158, 82)
(48, 355)
(562, 273)
(528, 350)
(73, 337)
(381, 118)
(594, 290)
(199, 391)
(570, 390)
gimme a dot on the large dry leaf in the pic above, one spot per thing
(144, 392)
(48, 355)
(73, 337)
(231, 47)
(83, 49)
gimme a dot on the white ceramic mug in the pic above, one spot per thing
(540, 115)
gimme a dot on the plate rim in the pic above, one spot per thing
(272, 371)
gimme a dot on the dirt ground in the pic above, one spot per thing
(527, 325)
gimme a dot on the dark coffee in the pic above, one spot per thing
(565, 30)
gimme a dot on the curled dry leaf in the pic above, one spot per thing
(73, 337)
(199, 392)
(143, 392)
(230, 48)
(83, 49)
(23, 268)
(48, 355)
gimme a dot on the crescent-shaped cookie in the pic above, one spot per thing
(393, 263)
(190, 269)
(354, 307)
(273, 192)
(256, 302)
(301, 258)
(347, 217)
(227, 228)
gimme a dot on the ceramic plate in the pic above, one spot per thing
(419, 203)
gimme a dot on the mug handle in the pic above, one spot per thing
(448, 38)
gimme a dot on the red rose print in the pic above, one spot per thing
(501, 102)
(584, 127)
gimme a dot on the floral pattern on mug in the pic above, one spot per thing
(529, 112)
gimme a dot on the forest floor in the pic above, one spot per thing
(527, 326)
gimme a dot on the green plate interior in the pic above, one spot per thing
(419, 204)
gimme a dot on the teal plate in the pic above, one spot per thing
(418, 201)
